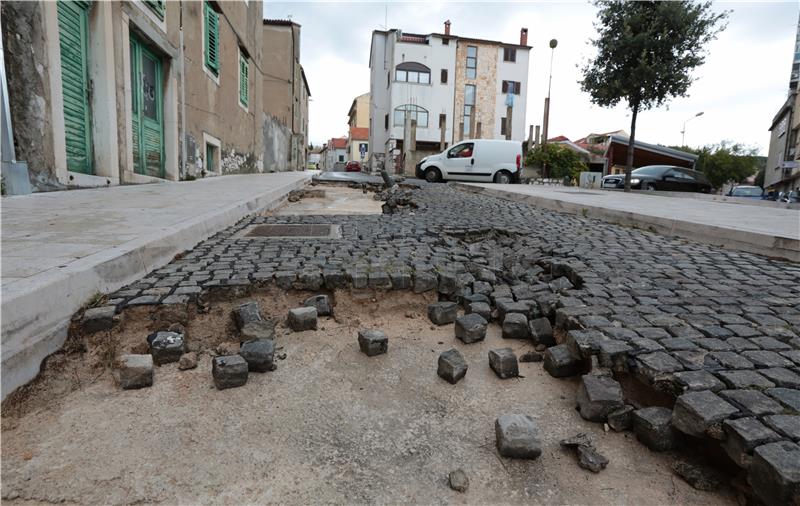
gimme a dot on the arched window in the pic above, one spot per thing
(416, 112)
(412, 72)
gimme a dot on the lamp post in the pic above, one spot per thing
(546, 121)
(683, 132)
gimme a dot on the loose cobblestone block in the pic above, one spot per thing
(506, 307)
(447, 282)
(322, 302)
(166, 347)
(229, 371)
(259, 355)
(503, 362)
(480, 308)
(303, 318)
(515, 326)
(517, 437)
(379, 280)
(481, 287)
(96, 319)
(614, 354)
(470, 328)
(584, 343)
(621, 418)
(653, 427)
(135, 371)
(743, 435)
(559, 362)
(597, 397)
(442, 313)
(654, 366)
(697, 412)
(752, 402)
(452, 366)
(372, 342)
(542, 331)
(775, 473)
(698, 380)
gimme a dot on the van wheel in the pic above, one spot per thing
(502, 177)
(432, 175)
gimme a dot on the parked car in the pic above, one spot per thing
(750, 192)
(353, 166)
(474, 160)
(662, 178)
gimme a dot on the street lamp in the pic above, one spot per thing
(683, 132)
(546, 122)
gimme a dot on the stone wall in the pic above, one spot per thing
(485, 83)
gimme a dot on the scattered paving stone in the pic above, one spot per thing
(531, 356)
(470, 328)
(584, 343)
(695, 413)
(653, 427)
(775, 473)
(597, 397)
(322, 302)
(372, 342)
(96, 319)
(614, 354)
(517, 437)
(442, 313)
(588, 457)
(654, 366)
(459, 480)
(424, 281)
(506, 307)
(135, 371)
(259, 355)
(743, 435)
(229, 371)
(698, 380)
(698, 477)
(561, 285)
(515, 326)
(452, 366)
(187, 361)
(503, 362)
(166, 347)
(560, 363)
(621, 418)
(480, 308)
(542, 331)
(303, 318)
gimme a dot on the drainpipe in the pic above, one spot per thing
(182, 140)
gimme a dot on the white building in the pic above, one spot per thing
(454, 87)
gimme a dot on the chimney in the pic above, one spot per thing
(523, 37)
(447, 27)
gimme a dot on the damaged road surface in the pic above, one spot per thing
(359, 396)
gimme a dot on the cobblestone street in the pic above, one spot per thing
(710, 333)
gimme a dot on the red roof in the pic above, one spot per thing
(560, 138)
(359, 133)
(338, 143)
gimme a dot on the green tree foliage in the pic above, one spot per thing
(760, 177)
(646, 51)
(560, 160)
(726, 162)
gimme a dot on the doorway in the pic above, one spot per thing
(147, 110)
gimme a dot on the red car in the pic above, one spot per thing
(352, 167)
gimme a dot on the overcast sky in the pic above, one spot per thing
(741, 86)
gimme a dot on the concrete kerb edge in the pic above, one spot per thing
(30, 337)
(750, 242)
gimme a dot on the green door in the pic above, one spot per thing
(73, 32)
(148, 111)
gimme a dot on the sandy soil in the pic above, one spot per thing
(330, 425)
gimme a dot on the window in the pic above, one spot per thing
(444, 76)
(461, 151)
(445, 41)
(472, 62)
(469, 103)
(211, 157)
(244, 71)
(502, 126)
(388, 78)
(412, 72)
(386, 122)
(509, 54)
(156, 6)
(416, 112)
(211, 38)
(443, 121)
(341, 158)
(512, 87)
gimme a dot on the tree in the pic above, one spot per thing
(560, 160)
(646, 52)
(726, 162)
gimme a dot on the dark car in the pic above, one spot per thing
(662, 178)
(749, 192)
(352, 166)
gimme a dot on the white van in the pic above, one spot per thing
(474, 160)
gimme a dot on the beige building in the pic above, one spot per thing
(106, 93)
(358, 123)
(285, 86)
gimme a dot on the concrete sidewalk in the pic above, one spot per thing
(61, 248)
(766, 231)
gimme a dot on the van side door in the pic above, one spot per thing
(460, 159)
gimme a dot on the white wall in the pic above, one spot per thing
(379, 93)
(512, 71)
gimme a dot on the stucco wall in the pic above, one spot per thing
(277, 141)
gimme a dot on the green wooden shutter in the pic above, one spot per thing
(211, 38)
(244, 69)
(156, 6)
(73, 31)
